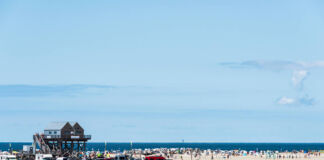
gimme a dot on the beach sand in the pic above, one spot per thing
(298, 156)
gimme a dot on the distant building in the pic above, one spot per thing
(78, 130)
(64, 129)
(61, 129)
(62, 137)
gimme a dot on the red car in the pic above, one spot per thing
(154, 158)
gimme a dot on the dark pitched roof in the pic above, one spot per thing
(56, 125)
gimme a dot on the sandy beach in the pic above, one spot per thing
(248, 157)
(254, 156)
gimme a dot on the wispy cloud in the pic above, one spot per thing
(298, 77)
(275, 65)
(286, 100)
(300, 71)
(48, 90)
(300, 101)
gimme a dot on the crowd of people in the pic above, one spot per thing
(194, 154)
(198, 154)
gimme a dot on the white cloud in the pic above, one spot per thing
(286, 101)
(276, 65)
(301, 101)
(298, 77)
(316, 64)
(50, 90)
(300, 71)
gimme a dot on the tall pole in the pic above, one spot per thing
(10, 149)
(131, 147)
(105, 146)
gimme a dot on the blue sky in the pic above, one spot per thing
(163, 71)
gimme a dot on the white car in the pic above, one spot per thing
(44, 157)
(8, 157)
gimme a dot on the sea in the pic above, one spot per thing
(5, 146)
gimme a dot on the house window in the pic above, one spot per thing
(55, 132)
(50, 132)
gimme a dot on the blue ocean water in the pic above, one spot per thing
(4, 146)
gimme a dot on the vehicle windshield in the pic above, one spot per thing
(47, 158)
(11, 158)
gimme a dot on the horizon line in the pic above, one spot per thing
(178, 142)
